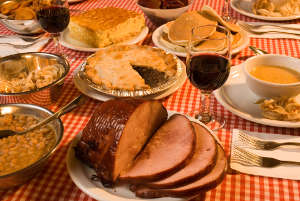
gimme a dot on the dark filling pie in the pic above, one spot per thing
(152, 77)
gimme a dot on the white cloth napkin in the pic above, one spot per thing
(288, 153)
(270, 34)
(6, 50)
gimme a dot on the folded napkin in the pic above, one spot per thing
(8, 49)
(287, 153)
(272, 31)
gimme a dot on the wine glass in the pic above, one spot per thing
(54, 17)
(208, 64)
(225, 13)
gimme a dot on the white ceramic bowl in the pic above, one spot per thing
(162, 16)
(268, 89)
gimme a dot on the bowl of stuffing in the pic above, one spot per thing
(32, 77)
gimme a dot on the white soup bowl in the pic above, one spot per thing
(267, 89)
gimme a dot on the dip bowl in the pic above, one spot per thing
(32, 63)
(161, 16)
(23, 175)
(266, 89)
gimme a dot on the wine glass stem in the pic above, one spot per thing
(58, 49)
(205, 111)
(225, 13)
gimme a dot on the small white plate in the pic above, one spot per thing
(245, 7)
(84, 88)
(74, 44)
(82, 174)
(157, 34)
(236, 97)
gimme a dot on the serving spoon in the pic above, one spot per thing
(67, 108)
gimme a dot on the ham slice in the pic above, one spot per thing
(201, 163)
(211, 180)
(167, 151)
(116, 133)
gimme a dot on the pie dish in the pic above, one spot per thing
(87, 90)
(131, 70)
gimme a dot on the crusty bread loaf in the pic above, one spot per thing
(116, 133)
(106, 26)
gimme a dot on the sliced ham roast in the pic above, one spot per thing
(211, 180)
(201, 163)
(116, 133)
(167, 151)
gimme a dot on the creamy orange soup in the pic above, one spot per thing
(275, 74)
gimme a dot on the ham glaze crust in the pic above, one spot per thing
(131, 141)
(116, 133)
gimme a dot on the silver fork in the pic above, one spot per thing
(271, 29)
(21, 46)
(255, 143)
(268, 25)
(25, 37)
(247, 158)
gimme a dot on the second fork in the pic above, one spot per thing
(247, 158)
(253, 142)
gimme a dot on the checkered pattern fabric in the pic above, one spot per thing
(54, 182)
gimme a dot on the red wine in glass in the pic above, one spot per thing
(53, 16)
(53, 19)
(208, 66)
(208, 71)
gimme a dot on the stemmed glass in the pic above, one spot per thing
(225, 12)
(208, 64)
(54, 17)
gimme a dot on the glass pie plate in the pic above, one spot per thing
(164, 85)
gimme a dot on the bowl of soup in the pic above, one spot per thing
(272, 75)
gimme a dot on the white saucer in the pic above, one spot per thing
(74, 44)
(236, 97)
(84, 88)
(245, 7)
(157, 34)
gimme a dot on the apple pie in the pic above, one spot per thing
(102, 27)
(130, 67)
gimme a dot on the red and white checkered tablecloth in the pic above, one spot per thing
(54, 182)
